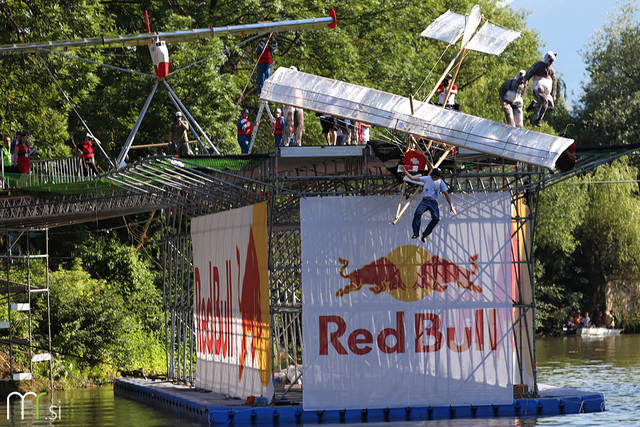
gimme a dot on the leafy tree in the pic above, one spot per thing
(610, 105)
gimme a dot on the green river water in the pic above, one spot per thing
(609, 365)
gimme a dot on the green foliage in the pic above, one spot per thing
(610, 106)
(88, 321)
(128, 275)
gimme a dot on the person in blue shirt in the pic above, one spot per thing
(244, 131)
(433, 185)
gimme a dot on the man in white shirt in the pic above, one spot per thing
(433, 185)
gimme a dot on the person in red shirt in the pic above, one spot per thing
(443, 89)
(85, 150)
(23, 153)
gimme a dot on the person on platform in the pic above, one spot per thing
(277, 127)
(329, 128)
(264, 54)
(6, 154)
(23, 153)
(443, 89)
(14, 158)
(244, 131)
(87, 155)
(363, 133)
(433, 185)
(512, 97)
(179, 137)
(543, 87)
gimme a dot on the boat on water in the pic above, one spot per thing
(598, 331)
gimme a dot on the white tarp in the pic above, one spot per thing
(448, 27)
(232, 316)
(492, 39)
(310, 92)
(389, 321)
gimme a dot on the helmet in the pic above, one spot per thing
(179, 114)
(243, 112)
(278, 111)
(549, 57)
(436, 172)
(86, 134)
(520, 74)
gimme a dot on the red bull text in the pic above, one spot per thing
(214, 314)
(430, 334)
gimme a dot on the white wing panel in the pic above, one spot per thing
(492, 39)
(291, 87)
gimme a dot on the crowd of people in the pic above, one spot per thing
(606, 319)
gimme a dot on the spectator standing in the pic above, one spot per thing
(179, 136)
(23, 153)
(277, 127)
(6, 154)
(244, 131)
(87, 155)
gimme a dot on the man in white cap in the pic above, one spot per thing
(543, 87)
(277, 127)
(178, 132)
(512, 97)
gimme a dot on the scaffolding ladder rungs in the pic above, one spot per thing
(20, 307)
(38, 290)
(22, 376)
(41, 357)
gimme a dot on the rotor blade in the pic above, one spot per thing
(473, 21)
(175, 36)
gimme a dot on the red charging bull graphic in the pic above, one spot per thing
(232, 310)
(409, 273)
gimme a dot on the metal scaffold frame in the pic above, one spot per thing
(284, 181)
(25, 272)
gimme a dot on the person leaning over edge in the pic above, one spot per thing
(433, 185)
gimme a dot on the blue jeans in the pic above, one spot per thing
(278, 140)
(264, 71)
(244, 141)
(426, 204)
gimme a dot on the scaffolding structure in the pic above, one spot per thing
(187, 187)
(292, 173)
(24, 287)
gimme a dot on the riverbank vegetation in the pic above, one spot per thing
(106, 288)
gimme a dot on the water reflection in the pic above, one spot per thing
(609, 365)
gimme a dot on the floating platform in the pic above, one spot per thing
(217, 409)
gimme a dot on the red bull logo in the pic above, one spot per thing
(409, 273)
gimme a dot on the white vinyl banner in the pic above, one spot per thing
(232, 317)
(389, 321)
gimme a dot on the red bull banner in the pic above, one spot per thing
(232, 317)
(390, 321)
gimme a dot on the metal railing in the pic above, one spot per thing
(43, 172)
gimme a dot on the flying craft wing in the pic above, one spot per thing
(174, 36)
(359, 103)
(491, 39)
